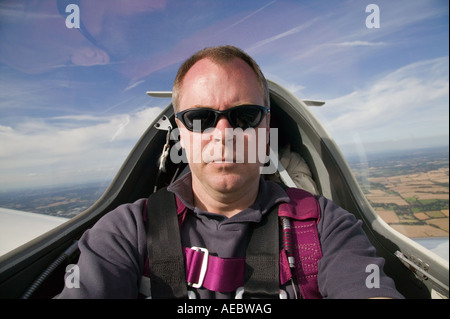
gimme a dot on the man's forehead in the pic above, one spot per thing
(209, 74)
(223, 83)
(209, 65)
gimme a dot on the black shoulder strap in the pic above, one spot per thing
(166, 262)
(262, 272)
(165, 255)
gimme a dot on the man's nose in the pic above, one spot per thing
(223, 123)
(220, 129)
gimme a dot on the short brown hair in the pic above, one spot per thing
(219, 55)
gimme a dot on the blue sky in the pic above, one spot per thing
(71, 109)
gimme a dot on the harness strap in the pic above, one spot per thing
(261, 272)
(304, 213)
(165, 255)
(221, 274)
(262, 260)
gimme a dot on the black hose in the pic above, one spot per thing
(38, 282)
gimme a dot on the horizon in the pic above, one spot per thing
(351, 159)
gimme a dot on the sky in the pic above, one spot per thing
(73, 101)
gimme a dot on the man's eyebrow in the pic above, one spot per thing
(198, 106)
(204, 106)
(213, 106)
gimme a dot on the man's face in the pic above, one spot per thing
(214, 161)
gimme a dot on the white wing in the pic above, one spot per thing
(19, 227)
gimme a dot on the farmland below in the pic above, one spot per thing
(409, 190)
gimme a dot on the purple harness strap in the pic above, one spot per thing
(221, 274)
(304, 213)
(227, 274)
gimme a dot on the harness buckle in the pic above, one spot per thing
(240, 293)
(203, 268)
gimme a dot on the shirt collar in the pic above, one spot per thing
(269, 194)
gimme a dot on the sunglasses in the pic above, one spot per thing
(241, 116)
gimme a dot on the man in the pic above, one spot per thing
(222, 88)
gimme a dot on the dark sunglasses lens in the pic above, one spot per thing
(246, 116)
(205, 118)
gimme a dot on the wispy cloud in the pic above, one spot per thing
(360, 44)
(87, 147)
(248, 16)
(410, 101)
(282, 35)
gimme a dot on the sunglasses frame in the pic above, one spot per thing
(218, 114)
